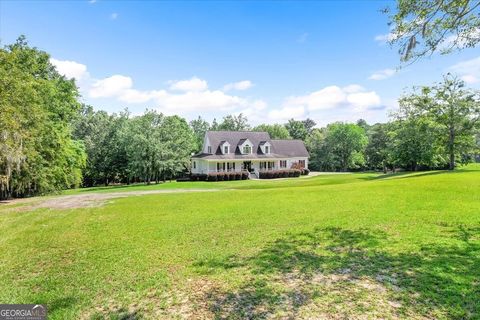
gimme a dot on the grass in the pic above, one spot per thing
(333, 246)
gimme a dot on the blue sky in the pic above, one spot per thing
(270, 60)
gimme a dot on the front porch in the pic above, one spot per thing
(254, 166)
(238, 166)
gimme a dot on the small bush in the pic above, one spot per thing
(184, 179)
(238, 175)
(198, 177)
(220, 176)
(305, 171)
(212, 177)
(244, 175)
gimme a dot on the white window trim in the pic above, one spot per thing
(244, 144)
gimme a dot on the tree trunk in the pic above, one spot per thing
(451, 149)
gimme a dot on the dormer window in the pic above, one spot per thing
(224, 147)
(247, 149)
(209, 149)
(267, 149)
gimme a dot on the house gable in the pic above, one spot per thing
(245, 146)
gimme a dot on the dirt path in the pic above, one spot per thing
(89, 199)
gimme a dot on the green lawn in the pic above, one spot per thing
(332, 246)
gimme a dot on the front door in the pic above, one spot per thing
(247, 165)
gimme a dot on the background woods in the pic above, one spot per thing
(49, 141)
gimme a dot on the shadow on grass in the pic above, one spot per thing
(346, 273)
(121, 314)
(408, 175)
(61, 303)
(117, 187)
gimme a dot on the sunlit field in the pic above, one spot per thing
(331, 246)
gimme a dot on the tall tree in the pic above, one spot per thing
(377, 151)
(101, 134)
(296, 129)
(423, 27)
(276, 131)
(347, 143)
(414, 143)
(215, 125)
(321, 156)
(37, 106)
(234, 123)
(309, 124)
(456, 111)
(199, 127)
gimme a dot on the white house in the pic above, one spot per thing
(246, 150)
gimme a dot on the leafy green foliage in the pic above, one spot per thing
(340, 146)
(37, 106)
(453, 111)
(199, 127)
(423, 27)
(233, 123)
(297, 129)
(276, 131)
(377, 149)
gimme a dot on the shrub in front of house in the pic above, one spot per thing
(275, 174)
(238, 175)
(305, 171)
(212, 177)
(198, 177)
(244, 175)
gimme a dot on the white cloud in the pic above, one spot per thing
(332, 97)
(384, 38)
(382, 74)
(199, 101)
(190, 97)
(364, 100)
(241, 85)
(112, 86)
(468, 70)
(353, 88)
(326, 98)
(114, 16)
(70, 69)
(193, 84)
(285, 113)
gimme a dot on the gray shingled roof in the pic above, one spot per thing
(279, 148)
(289, 148)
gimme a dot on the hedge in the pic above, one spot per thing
(227, 176)
(279, 174)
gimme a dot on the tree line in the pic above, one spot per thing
(49, 141)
